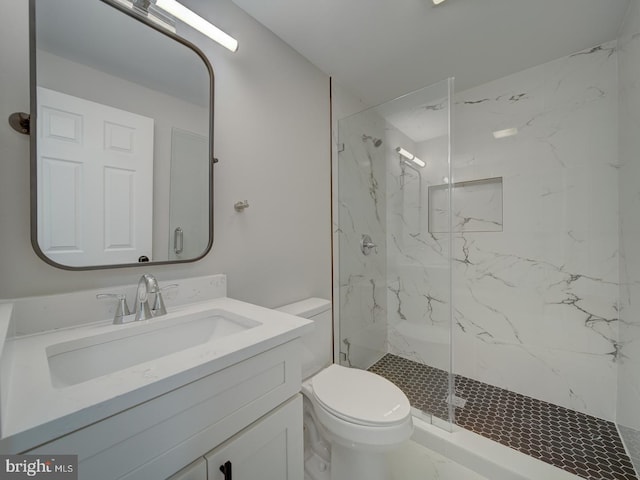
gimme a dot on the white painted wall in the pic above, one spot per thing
(272, 138)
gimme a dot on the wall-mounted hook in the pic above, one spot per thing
(20, 122)
(240, 206)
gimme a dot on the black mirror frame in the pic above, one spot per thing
(34, 136)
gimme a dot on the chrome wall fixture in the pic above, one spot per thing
(240, 206)
(366, 244)
(20, 122)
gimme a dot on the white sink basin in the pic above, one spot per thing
(90, 357)
(58, 381)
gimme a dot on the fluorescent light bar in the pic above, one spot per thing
(418, 162)
(505, 133)
(410, 156)
(199, 23)
(437, 2)
(404, 153)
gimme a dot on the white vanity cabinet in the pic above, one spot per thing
(249, 413)
(270, 449)
(195, 471)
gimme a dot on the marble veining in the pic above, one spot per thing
(532, 284)
(361, 196)
(538, 294)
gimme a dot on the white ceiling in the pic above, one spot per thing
(381, 49)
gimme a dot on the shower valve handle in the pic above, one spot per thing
(366, 245)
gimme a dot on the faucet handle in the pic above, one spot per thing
(122, 310)
(158, 303)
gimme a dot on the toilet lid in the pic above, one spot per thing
(359, 396)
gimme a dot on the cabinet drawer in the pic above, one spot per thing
(196, 471)
(270, 449)
(154, 439)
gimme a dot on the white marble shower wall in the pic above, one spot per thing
(535, 304)
(535, 286)
(628, 413)
(361, 210)
(418, 266)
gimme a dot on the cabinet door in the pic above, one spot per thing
(195, 471)
(269, 449)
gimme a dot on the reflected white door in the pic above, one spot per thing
(95, 181)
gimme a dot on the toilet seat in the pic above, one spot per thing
(360, 397)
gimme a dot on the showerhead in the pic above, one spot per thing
(376, 141)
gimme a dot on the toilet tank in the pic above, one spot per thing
(318, 344)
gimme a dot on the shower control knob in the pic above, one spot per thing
(366, 244)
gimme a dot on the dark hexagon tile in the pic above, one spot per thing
(578, 443)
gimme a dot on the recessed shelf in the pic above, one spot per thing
(477, 206)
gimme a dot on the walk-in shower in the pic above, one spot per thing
(492, 298)
(386, 306)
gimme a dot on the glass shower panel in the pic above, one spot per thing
(394, 270)
(362, 220)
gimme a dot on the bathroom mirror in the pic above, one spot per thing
(121, 137)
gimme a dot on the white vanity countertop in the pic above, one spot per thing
(35, 412)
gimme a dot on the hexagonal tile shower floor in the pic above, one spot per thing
(581, 444)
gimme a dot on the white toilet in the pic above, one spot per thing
(352, 417)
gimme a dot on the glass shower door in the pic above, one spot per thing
(394, 243)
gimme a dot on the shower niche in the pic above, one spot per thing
(477, 206)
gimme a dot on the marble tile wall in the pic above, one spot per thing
(535, 303)
(418, 266)
(361, 209)
(628, 413)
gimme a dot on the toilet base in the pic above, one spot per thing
(316, 468)
(351, 464)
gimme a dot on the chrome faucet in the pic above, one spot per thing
(122, 312)
(148, 285)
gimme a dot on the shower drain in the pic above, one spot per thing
(456, 401)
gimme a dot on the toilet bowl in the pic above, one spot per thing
(352, 417)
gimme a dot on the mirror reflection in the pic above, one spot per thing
(122, 144)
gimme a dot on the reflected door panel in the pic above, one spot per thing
(95, 181)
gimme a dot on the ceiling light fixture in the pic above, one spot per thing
(196, 21)
(508, 132)
(410, 156)
(437, 2)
